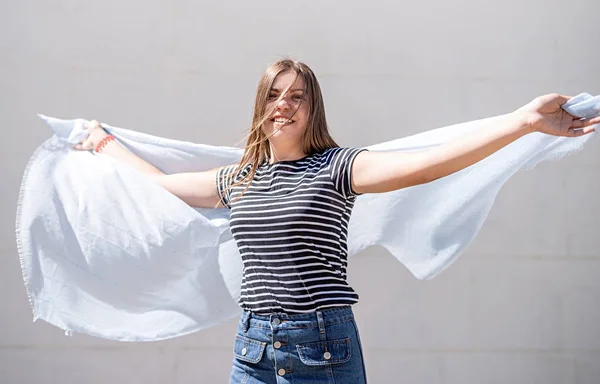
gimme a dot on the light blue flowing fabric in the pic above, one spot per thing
(107, 252)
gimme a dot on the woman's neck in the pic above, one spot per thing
(280, 154)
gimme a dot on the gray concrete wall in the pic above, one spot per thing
(521, 306)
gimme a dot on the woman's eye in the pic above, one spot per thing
(272, 97)
(297, 98)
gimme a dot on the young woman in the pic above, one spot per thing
(291, 197)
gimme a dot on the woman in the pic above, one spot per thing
(291, 197)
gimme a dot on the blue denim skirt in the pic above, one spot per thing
(317, 347)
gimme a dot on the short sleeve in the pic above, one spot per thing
(340, 166)
(225, 177)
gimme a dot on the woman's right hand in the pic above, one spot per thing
(96, 134)
(198, 189)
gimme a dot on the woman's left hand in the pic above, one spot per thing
(545, 114)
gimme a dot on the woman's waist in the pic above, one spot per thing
(330, 314)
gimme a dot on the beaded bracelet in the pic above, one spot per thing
(103, 142)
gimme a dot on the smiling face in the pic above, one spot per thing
(289, 118)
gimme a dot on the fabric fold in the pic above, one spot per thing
(107, 252)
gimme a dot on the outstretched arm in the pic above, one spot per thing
(198, 189)
(375, 172)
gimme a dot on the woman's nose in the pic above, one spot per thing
(283, 103)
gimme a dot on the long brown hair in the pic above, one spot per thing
(316, 137)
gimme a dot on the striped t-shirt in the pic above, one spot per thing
(291, 227)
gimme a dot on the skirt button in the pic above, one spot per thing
(281, 372)
(327, 355)
(277, 345)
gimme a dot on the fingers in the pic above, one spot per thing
(576, 132)
(80, 147)
(85, 145)
(585, 123)
(587, 130)
(581, 127)
(92, 124)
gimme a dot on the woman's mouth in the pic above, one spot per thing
(282, 121)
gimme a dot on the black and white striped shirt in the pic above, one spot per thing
(291, 228)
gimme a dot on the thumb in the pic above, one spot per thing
(86, 145)
(561, 99)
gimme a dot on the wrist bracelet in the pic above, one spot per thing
(103, 142)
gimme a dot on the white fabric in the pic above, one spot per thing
(106, 251)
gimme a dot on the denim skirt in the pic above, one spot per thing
(316, 347)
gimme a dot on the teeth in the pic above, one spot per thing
(279, 120)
